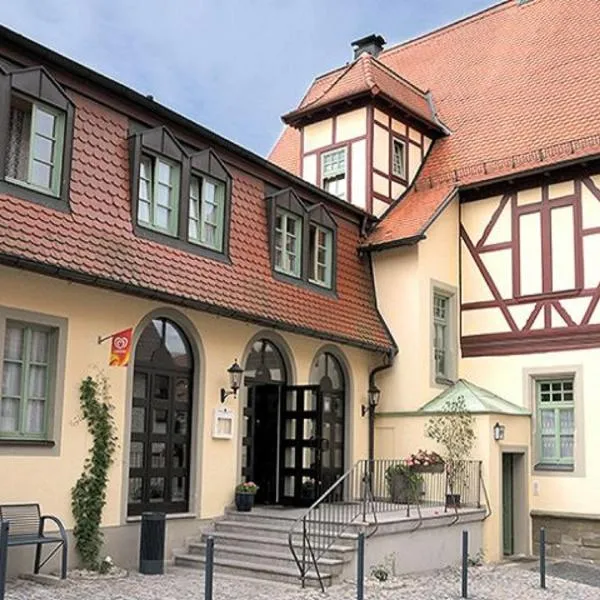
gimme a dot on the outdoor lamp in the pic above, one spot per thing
(373, 395)
(499, 432)
(235, 380)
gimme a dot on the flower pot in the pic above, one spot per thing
(244, 501)
(453, 500)
(403, 490)
(435, 468)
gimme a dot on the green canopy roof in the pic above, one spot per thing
(477, 400)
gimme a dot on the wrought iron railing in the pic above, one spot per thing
(371, 488)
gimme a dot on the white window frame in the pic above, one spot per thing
(451, 351)
(284, 268)
(200, 220)
(395, 141)
(338, 175)
(328, 248)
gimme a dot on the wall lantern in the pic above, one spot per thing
(499, 432)
(374, 394)
(235, 380)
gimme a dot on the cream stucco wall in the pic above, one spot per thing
(46, 476)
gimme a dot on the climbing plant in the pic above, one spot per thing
(88, 496)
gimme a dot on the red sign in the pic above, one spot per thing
(120, 349)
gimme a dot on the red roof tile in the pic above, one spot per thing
(518, 87)
(366, 75)
(96, 238)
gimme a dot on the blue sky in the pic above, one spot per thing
(232, 65)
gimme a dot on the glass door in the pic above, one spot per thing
(301, 445)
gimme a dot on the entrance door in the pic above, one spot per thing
(302, 442)
(508, 544)
(263, 412)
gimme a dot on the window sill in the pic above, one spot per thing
(545, 467)
(313, 287)
(443, 380)
(25, 192)
(27, 443)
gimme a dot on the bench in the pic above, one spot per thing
(26, 528)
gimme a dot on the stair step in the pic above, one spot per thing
(246, 569)
(238, 539)
(277, 558)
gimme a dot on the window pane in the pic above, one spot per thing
(136, 455)
(164, 173)
(163, 195)
(41, 174)
(13, 343)
(162, 217)
(37, 381)
(9, 415)
(11, 380)
(179, 459)
(35, 416)
(548, 422)
(157, 489)
(135, 490)
(399, 158)
(44, 122)
(43, 149)
(38, 352)
(138, 418)
(158, 457)
(567, 421)
(178, 487)
(17, 160)
(144, 211)
(566, 446)
(548, 447)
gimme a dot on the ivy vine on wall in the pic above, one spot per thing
(88, 496)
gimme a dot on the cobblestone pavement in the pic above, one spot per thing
(502, 582)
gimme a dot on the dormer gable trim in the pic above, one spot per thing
(207, 162)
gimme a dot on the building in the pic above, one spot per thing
(477, 147)
(118, 213)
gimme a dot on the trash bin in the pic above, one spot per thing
(152, 543)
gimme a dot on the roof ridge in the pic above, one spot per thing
(329, 87)
(367, 62)
(477, 16)
(399, 77)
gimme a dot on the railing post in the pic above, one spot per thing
(543, 558)
(465, 564)
(4, 526)
(209, 567)
(360, 568)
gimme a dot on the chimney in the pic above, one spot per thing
(372, 44)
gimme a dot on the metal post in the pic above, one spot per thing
(360, 568)
(209, 566)
(465, 564)
(3, 555)
(543, 558)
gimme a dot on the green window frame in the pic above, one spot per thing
(441, 334)
(158, 194)
(28, 371)
(399, 158)
(333, 172)
(288, 243)
(555, 413)
(320, 255)
(206, 217)
(35, 145)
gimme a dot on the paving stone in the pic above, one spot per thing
(494, 582)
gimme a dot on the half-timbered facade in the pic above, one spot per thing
(485, 261)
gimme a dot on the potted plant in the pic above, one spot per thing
(404, 484)
(426, 462)
(244, 496)
(453, 429)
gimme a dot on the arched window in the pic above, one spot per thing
(265, 363)
(159, 458)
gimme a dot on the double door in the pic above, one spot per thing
(292, 450)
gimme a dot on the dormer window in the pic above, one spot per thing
(36, 131)
(158, 194)
(205, 222)
(320, 255)
(399, 158)
(333, 169)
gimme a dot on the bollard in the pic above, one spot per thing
(3, 555)
(465, 564)
(543, 558)
(209, 567)
(360, 568)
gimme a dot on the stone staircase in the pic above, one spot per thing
(255, 544)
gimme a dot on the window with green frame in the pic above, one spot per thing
(555, 421)
(206, 212)
(320, 255)
(35, 145)
(28, 364)
(288, 243)
(158, 200)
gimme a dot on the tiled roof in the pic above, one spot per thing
(96, 241)
(365, 75)
(518, 87)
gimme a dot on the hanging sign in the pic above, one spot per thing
(120, 348)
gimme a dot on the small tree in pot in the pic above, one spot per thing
(454, 431)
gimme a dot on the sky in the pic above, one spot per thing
(234, 66)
